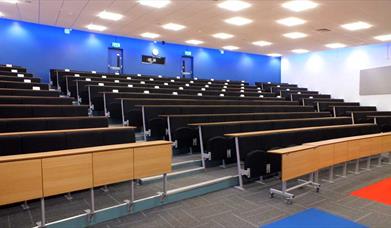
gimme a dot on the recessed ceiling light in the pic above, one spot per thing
(386, 37)
(194, 42)
(150, 35)
(262, 43)
(356, 26)
(96, 27)
(239, 21)
(110, 16)
(230, 47)
(11, 1)
(300, 51)
(274, 54)
(222, 36)
(291, 21)
(234, 5)
(155, 3)
(295, 35)
(173, 26)
(335, 45)
(299, 5)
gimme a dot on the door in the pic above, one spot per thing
(115, 60)
(187, 66)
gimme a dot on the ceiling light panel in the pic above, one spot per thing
(291, 21)
(274, 54)
(239, 21)
(295, 35)
(150, 35)
(10, 1)
(234, 5)
(223, 36)
(110, 16)
(155, 3)
(95, 27)
(335, 45)
(173, 26)
(230, 47)
(262, 43)
(300, 51)
(299, 5)
(194, 42)
(359, 25)
(386, 37)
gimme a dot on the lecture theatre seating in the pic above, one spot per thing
(34, 118)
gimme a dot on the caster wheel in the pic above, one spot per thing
(317, 190)
(271, 195)
(288, 201)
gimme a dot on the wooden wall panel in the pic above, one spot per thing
(66, 174)
(152, 161)
(113, 166)
(20, 180)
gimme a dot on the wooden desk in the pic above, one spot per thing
(37, 175)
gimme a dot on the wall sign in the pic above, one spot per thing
(147, 59)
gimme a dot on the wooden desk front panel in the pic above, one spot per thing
(299, 163)
(325, 156)
(386, 143)
(66, 174)
(369, 146)
(354, 149)
(20, 180)
(113, 166)
(341, 152)
(152, 160)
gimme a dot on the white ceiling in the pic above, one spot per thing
(203, 18)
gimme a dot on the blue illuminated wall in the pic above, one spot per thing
(41, 47)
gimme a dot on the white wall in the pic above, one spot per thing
(337, 72)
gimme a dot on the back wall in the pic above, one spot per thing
(40, 48)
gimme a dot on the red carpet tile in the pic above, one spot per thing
(379, 192)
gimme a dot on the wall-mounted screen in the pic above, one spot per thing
(375, 81)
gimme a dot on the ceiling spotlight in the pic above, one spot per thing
(222, 36)
(299, 5)
(234, 5)
(99, 28)
(291, 21)
(356, 26)
(150, 35)
(274, 54)
(173, 26)
(230, 47)
(110, 16)
(262, 43)
(194, 42)
(386, 37)
(295, 35)
(335, 45)
(155, 3)
(239, 21)
(300, 51)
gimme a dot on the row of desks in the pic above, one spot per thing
(31, 176)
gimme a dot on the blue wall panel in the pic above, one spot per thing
(41, 47)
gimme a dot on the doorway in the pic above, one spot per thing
(187, 66)
(115, 61)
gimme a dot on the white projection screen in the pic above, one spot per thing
(375, 81)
